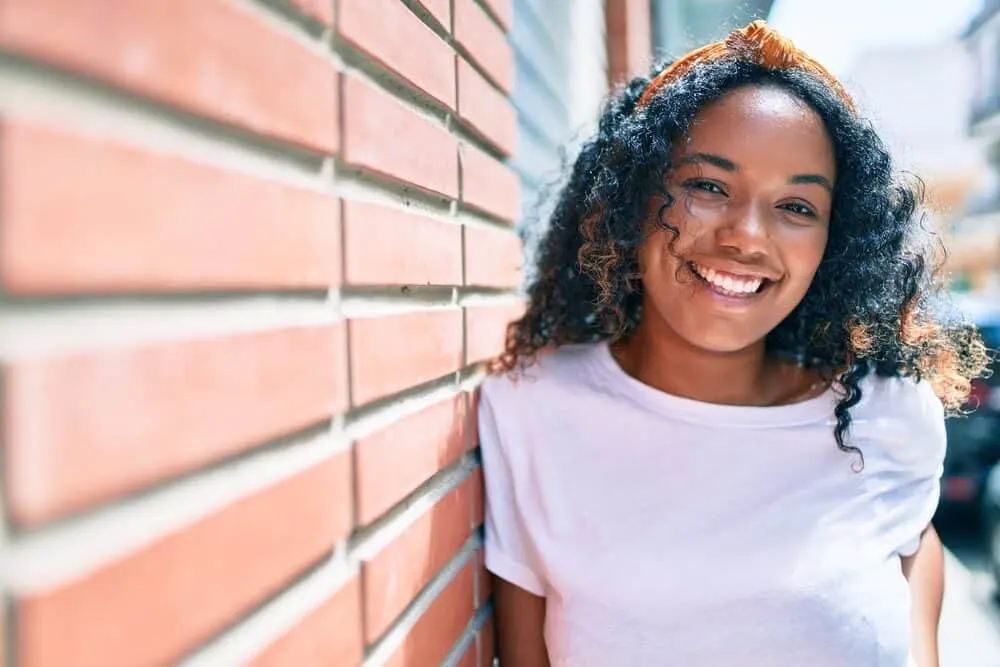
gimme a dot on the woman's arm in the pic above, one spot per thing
(520, 618)
(924, 570)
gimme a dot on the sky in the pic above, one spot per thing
(835, 32)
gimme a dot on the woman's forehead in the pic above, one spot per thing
(752, 123)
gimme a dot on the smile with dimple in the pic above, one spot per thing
(728, 284)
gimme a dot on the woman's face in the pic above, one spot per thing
(752, 188)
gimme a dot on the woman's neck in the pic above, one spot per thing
(665, 361)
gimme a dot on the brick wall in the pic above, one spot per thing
(251, 253)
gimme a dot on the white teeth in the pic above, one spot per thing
(729, 283)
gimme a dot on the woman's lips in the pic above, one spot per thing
(728, 284)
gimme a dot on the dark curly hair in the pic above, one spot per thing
(874, 306)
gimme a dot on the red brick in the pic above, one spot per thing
(485, 42)
(503, 10)
(216, 58)
(440, 627)
(321, 10)
(85, 214)
(383, 136)
(90, 427)
(486, 330)
(489, 185)
(392, 34)
(397, 573)
(427, 441)
(486, 109)
(158, 603)
(470, 657)
(389, 354)
(386, 246)
(487, 645)
(493, 257)
(630, 36)
(328, 637)
(440, 10)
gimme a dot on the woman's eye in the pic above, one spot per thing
(799, 209)
(705, 186)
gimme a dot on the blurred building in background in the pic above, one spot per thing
(560, 80)
(928, 138)
(975, 239)
(681, 25)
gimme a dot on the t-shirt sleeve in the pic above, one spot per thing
(507, 548)
(919, 465)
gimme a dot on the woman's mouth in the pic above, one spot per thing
(730, 285)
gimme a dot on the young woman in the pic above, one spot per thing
(716, 435)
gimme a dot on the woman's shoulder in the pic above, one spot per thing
(553, 372)
(905, 415)
(907, 398)
(529, 399)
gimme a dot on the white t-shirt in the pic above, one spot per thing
(664, 531)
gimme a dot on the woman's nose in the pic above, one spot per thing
(746, 230)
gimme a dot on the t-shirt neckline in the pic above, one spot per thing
(812, 410)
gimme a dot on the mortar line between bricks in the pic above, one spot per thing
(371, 418)
(369, 540)
(481, 299)
(4, 515)
(379, 652)
(464, 131)
(361, 65)
(366, 67)
(43, 94)
(413, 299)
(251, 635)
(493, 16)
(38, 328)
(468, 636)
(290, 19)
(354, 185)
(428, 19)
(469, 209)
(7, 625)
(56, 554)
(467, 56)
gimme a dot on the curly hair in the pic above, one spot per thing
(876, 304)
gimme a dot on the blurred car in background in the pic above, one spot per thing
(974, 438)
(991, 521)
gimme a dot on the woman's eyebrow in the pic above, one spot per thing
(811, 179)
(712, 159)
(728, 165)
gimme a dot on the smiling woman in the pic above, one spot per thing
(732, 282)
(755, 214)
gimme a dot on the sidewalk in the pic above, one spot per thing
(970, 621)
